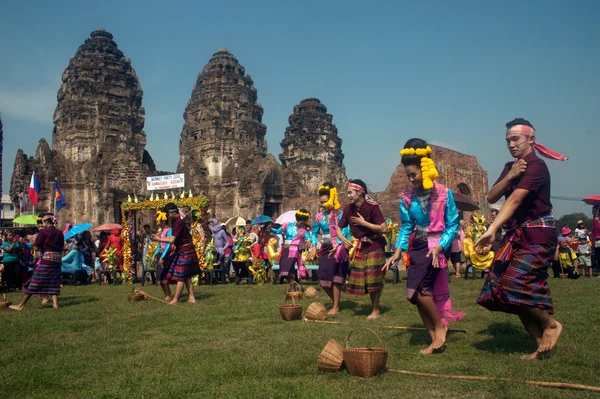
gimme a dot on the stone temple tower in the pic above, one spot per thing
(98, 142)
(223, 127)
(311, 146)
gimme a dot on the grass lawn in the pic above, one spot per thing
(233, 344)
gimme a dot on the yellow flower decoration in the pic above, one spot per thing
(324, 188)
(429, 172)
(332, 202)
(161, 216)
(300, 213)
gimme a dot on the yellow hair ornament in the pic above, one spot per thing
(161, 216)
(429, 172)
(322, 188)
(300, 213)
(421, 152)
(332, 202)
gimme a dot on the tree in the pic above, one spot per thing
(570, 220)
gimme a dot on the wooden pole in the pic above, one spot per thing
(422, 329)
(481, 378)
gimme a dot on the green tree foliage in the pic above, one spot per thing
(570, 220)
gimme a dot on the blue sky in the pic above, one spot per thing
(450, 72)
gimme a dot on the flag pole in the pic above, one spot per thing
(55, 215)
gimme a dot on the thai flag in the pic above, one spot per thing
(34, 189)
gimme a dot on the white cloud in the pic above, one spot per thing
(35, 105)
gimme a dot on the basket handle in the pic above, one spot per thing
(291, 287)
(362, 328)
(293, 301)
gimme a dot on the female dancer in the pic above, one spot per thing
(295, 236)
(429, 223)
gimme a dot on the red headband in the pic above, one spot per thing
(356, 187)
(542, 150)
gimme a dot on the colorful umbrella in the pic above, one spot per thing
(286, 217)
(108, 227)
(592, 200)
(464, 203)
(262, 219)
(78, 228)
(26, 219)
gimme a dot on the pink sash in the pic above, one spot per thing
(295, 251)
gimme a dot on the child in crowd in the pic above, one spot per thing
(567, 259)
(584, 251)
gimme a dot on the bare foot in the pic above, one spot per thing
(168, 298)
(16, 307)
(546, 354)
(531, 356)
(374, 316)
(55, 306)
(44, 301)
(191, 300)
(550, 337)
(173, 302)
(427, 351)
(440, 337)
(333, 311)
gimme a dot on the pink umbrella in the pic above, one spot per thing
(592, 200)
(108, 227)
(286, 217)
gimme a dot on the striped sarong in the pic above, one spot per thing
(47, 275)
(365, 273)
(330, 271)
(521, 282)
(163, 271)
(185, 265)
(287, 264)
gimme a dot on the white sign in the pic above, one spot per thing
(165, 182)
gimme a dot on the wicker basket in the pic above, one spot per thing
(293, 291)
(291, 312)
(5, 305)
(316, 311)
(136, 297)
(365, 362)
(332, 357)
(311, 293)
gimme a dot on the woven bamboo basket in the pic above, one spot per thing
(291, 312)
(365, 362)
(332, 357)
(293, 291)
(316, 311)
(136, 297)
(311, 293)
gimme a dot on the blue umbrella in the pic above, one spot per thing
(78, 228)
(262, 219)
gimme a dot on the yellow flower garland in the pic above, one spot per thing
(332, 202)
(300, 213)
(428, 170)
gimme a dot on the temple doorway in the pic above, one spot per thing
(272, 209)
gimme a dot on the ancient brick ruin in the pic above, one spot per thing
(311, 141)
(459, 172)
(98, 145)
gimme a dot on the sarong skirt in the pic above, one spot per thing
(185, 264)
(47, 275)
(520, 282)
(287, 265)
(330, 271)
(420, 274)
(365, 273)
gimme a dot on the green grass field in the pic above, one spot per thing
(233, 344)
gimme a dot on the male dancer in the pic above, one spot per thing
(367, 224)
(517, 280)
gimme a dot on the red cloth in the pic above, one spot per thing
(372, 214)
(535, 179)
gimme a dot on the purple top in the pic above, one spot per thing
(50, 239)
(181, 233)
(372, 214)
(535, 179)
